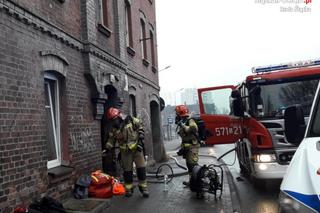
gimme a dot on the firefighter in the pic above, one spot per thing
(128, 134)
(188, 131)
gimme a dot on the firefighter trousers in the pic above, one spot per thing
(192, 157)
(127, 159)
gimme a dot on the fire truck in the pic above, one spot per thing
(251, 115)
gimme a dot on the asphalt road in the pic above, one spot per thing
(253, 200)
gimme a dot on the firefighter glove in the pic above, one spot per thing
(141, 135)
(181, 152)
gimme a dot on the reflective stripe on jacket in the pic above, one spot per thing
(127, 136)
(188, 133)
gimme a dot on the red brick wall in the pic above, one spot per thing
(23, 138)
(64, 15)
(135, 62)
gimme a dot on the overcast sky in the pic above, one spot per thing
(213, 43)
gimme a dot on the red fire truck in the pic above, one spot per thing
(251, 115)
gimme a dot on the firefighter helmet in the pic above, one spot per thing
(182, 110)
(113, 113)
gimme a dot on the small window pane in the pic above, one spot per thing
(216, 101)
(46, 91)
(315, 130)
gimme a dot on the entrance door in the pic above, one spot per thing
(108, 159)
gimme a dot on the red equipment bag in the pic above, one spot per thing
(99, 178)
(100, 191)
(101, 185)
(118, 189)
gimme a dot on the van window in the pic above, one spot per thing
(315, 122)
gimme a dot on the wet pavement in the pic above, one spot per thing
(177, 198)
(253, 199)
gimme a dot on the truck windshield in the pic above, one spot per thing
(269, 100)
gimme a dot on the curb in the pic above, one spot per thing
(235, 198)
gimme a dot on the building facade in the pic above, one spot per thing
(189, 96)
(63, 63)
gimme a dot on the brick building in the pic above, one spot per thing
(62, 64)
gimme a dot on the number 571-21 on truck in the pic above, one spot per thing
(251, 115)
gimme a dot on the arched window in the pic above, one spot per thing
(153, 54)
(143, 39)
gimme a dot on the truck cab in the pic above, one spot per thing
(251, 115)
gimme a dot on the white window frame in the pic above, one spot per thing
(56, 133)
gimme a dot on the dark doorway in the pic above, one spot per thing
(158, 149)
(108, 159)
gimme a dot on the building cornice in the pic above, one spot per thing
(100, 53)
(142, 78)
(39, 24)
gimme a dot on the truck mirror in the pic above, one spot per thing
(294, 124)
(236, 105)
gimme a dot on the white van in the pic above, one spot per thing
(300, 188)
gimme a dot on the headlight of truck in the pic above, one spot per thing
(264, 158)
(290, 205)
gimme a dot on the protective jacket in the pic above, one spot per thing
(188, 132)
(127, 136)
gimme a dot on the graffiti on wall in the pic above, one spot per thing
(144, 116)
(83, 141)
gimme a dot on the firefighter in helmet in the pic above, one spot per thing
(188, 131)
(128, 134)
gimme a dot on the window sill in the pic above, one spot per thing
(105, 30)
(145, 62)
(154, 69)
(59, 173)
(131, 51)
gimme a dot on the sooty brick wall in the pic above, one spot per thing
(26, 52)
(62, 39)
